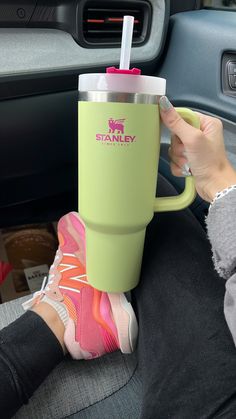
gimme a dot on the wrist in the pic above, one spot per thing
(220, 181)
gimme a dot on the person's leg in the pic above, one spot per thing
(67, 313)
(30, 348)
(186, 354)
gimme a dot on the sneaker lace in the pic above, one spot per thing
(47, 282)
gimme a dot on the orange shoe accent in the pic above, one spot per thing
(69, 260)
(96, 312)
(72, 272)
(60, 239)
(70, 307)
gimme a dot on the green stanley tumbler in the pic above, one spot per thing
(119, 145)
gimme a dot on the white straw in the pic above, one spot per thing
(127, 34)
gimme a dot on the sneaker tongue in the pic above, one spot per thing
(55, 264)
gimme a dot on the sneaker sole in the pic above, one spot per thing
(126, 322)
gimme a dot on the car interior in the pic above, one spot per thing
(44, 47)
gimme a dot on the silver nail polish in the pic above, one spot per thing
(184, 173)
(165, 104)
(186, 170)
(186, 167)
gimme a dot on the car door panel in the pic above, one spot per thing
(193, 60)
(194, 67)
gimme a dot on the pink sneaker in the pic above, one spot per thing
(96, 322)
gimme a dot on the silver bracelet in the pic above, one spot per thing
(221, 194)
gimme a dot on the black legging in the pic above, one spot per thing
(187, 359)
(28, 353)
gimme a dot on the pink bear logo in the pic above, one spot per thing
(116, 125)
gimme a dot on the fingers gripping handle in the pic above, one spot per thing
(176, 203)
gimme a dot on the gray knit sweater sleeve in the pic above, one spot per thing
(221, 226)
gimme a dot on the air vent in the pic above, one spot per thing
(103, 20)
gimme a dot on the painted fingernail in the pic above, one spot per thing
(186, 171)
(186, 167)
(165, 104)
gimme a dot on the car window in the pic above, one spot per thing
(220, 4)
